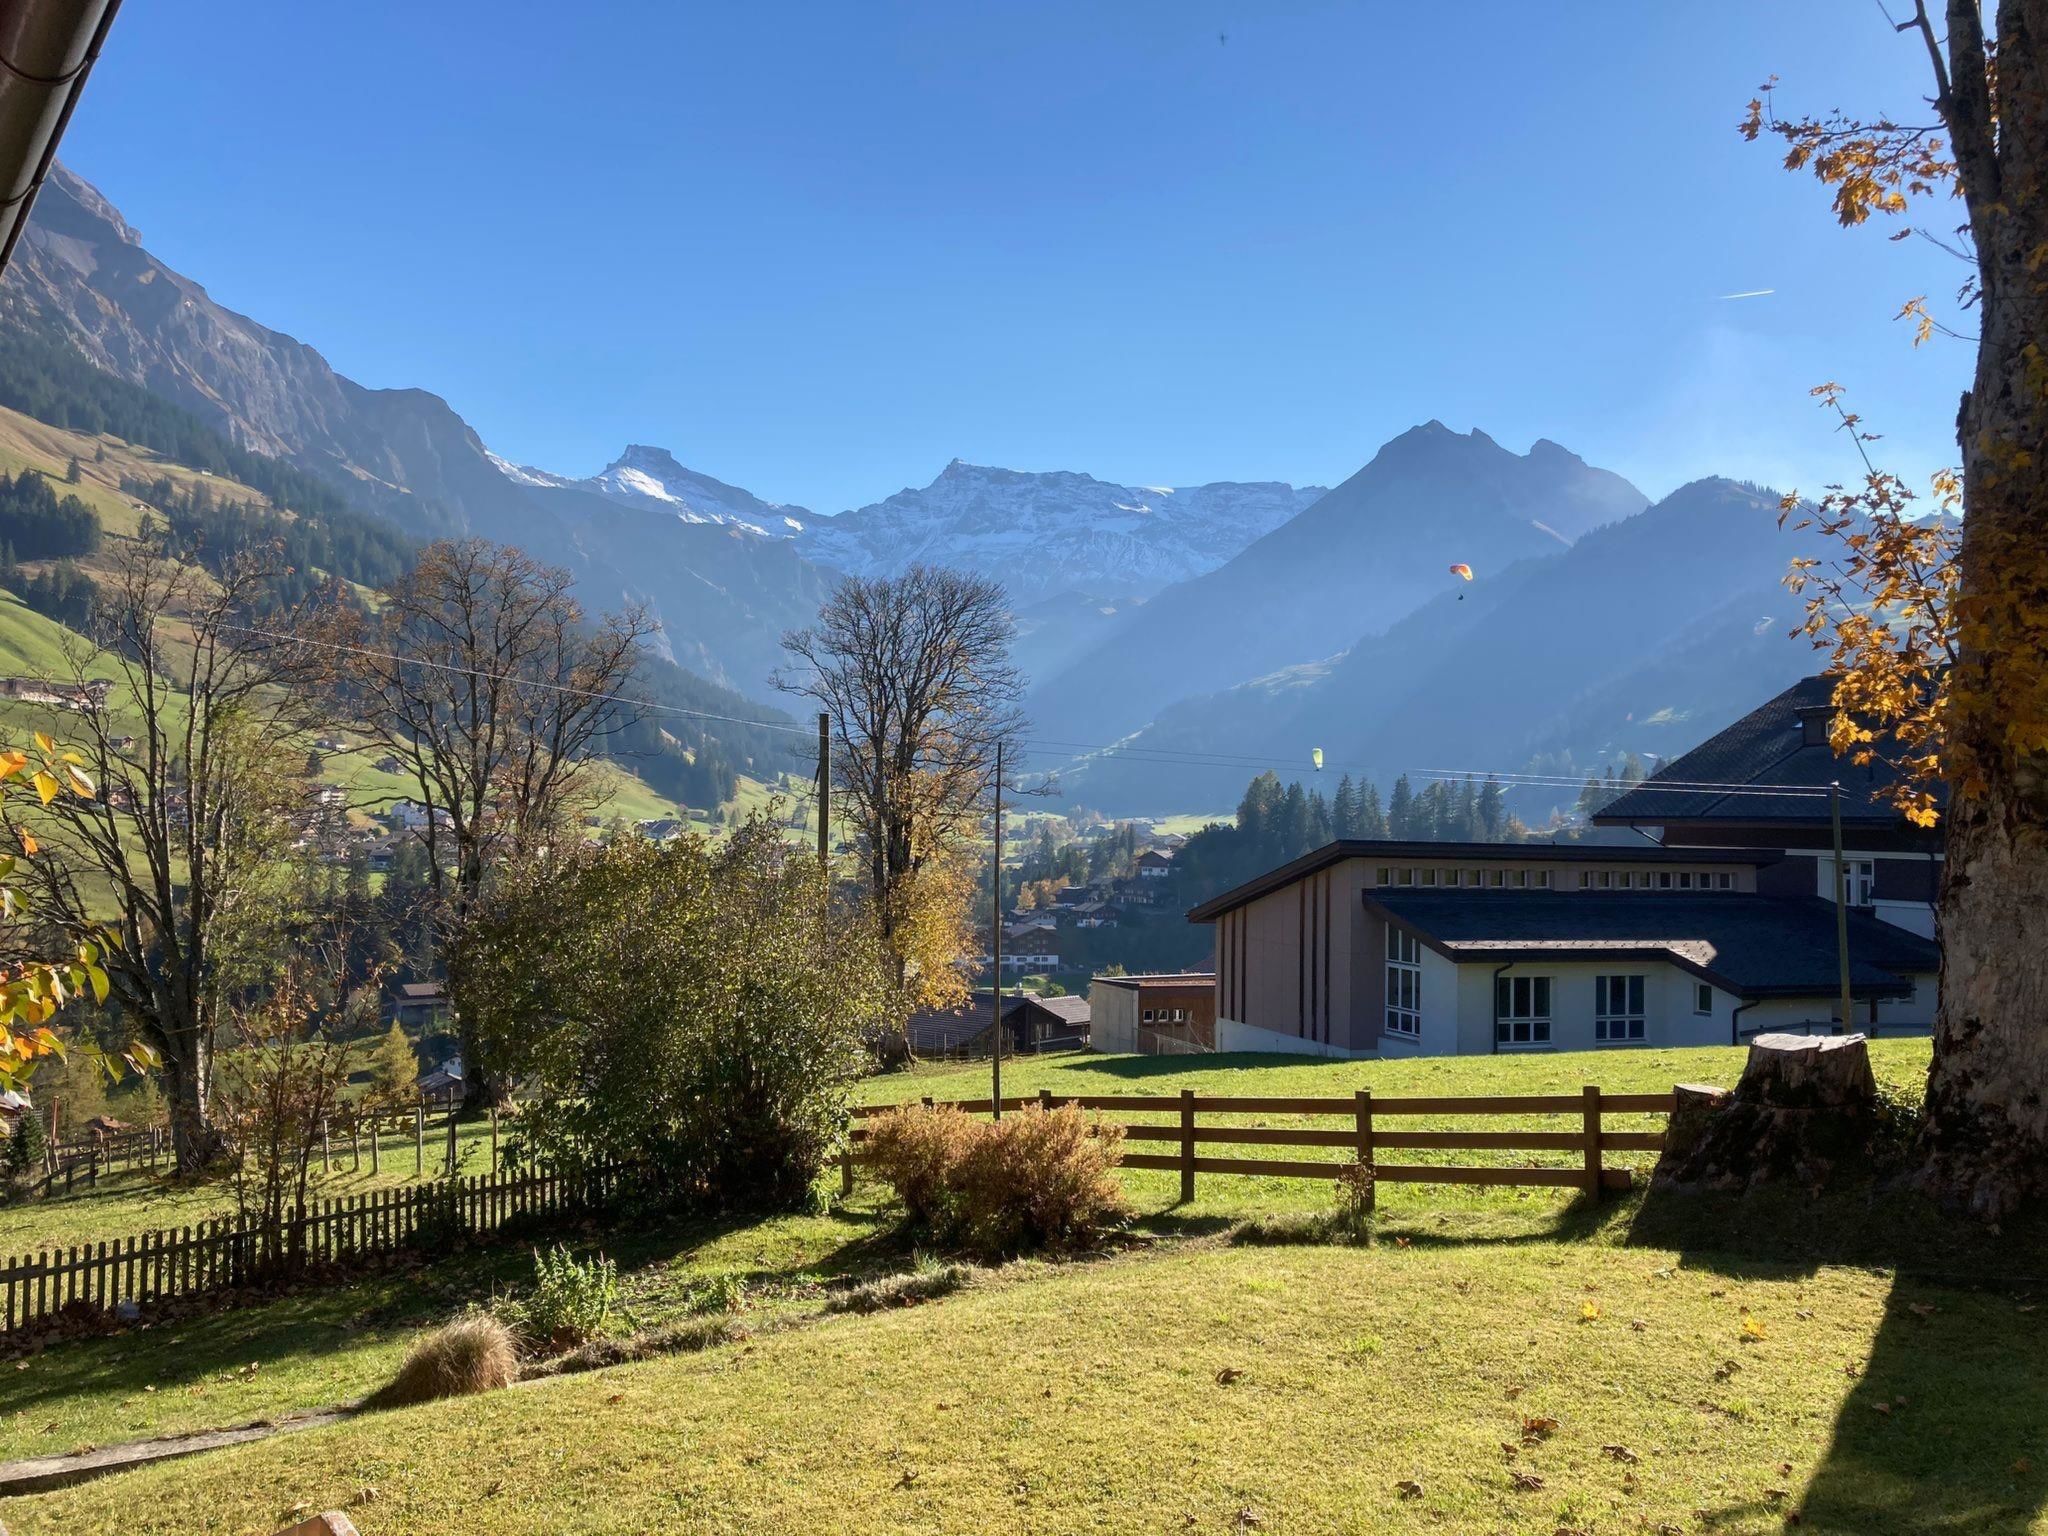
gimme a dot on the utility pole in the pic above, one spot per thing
(995, 950)
(1841, 898)
(824, 789)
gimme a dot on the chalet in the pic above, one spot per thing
(1155, 864)
(73, 696)
(420, 1003)
(1155, 1014)
(1036, 949)
(1376, 948)
(1033, 1025)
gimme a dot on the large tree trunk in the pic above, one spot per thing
(1986, 1124)
(196, 1142)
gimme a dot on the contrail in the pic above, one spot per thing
(1753, 293)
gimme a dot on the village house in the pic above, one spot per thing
(1153, 1014)
(1032, 1025)
(1720, 925)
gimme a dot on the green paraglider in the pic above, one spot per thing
(1316, 756)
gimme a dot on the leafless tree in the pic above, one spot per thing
(915, 672)
(191, 718)
(480, 674)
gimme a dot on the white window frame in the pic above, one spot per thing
(1619, 1017)
(1521, 1006)
(1703, 992)
(1404, 984)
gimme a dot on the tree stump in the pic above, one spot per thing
(1806, 1105)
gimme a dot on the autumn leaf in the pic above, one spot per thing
(1589, 1311)
(46, 785)
(1620, 1453)
(1227, 1375)
(1535, 1429)
(1408, 1488)
(1526, 1482)
(1752, 1329)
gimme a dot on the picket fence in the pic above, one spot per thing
(1364, 1135)
(223, 1254)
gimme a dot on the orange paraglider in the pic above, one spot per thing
(1462, 569)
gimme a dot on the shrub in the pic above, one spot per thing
(1357, 1193)
(1031, 1179)
(918, 1152)
(572, 1298)
(1037, 1179)
(703, 1010)
(26, 1148)
(726, 1293)
(472, 1354)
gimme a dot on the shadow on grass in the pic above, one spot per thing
(1942, 1429)
(1139, 1067)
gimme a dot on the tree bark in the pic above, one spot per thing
(1985, 1129)
(1806, 1105)
(196, 1142)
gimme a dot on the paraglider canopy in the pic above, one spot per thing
(1316, 755)
(1462, 569)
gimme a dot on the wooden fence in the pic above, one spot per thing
(1372, 1126)
(222, 1254)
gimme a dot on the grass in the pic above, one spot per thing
(1095, 1397)
(1086, 1396)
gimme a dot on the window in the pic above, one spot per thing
(1724, 881)
(1859, 880)
(1404, 877)
(1149, 1019)
(1543, 878)
(1383, 875)
(1607, 880)
(1585, 879)
(1518, 878)
(1495, 877)
(1522, 1010)
(1685, 879)
(1404, 983)
(1450, 877)
(1663, 879)
(1702, 999)
(1429, 877)
(1617, 1009)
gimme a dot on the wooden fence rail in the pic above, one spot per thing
(221, 1254)
(1363, 1135)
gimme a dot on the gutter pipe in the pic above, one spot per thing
(47, 48)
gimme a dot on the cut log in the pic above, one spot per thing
(1806, 1107)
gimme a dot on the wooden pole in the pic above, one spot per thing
(824, 790)
(1365, 1147)
(1187, 1145)
(1592, 1126)
(494, 1138)
(452, 1106)
(419, 1139)
(326, 1151)
(995, 1053)
(376, 1163)
(1841, 901)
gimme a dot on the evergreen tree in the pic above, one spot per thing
(1320, 827)
(1295, 830)
(1433, 812)
(1493, 811)
(1401, 820)
(1344, 809)
(1464, 826)
(1369, 818)
(1258, 810)
(394, 1068)
(72, 473)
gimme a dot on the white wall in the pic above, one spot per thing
(1232, 1035)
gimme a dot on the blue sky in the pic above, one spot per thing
(819, 250)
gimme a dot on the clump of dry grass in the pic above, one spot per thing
(682, 1338)
(925, 1283)
(476, 1353)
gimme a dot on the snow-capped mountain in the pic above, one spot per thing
(651, 478)
(1052, 533)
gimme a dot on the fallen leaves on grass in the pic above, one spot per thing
(1408, 1488)
(1227, 1375)
(1752, 1329)
(1535, 1429)
(1620, 1453)
(1589, 1311)
(1922, 1308)
(1526, 1482)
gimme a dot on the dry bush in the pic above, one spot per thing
(917, 1151)
(472, 1354)
(1032, 1179)
(1036, 1179)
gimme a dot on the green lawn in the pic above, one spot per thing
(1228, 1389)
(1085, 1396)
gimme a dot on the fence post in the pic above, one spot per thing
(1045, 1100)
(846, 1156)
(376, 1156)
(494, 1138)
(1187, 1145)
(325, 1150)
(452, 1107)
(1592, 1102)
(1366, 1156)
(355, 1144)
(419, 1139)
